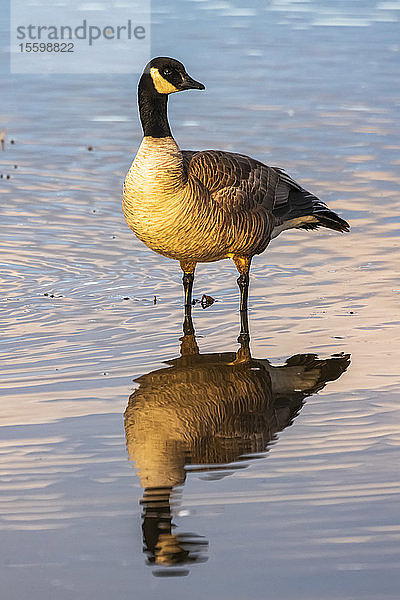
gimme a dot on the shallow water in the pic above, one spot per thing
(302, 511)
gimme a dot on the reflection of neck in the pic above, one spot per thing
(161, 545)
(156, 517)
(153, 109)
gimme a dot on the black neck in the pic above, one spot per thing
(152, 109)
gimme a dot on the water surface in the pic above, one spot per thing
(294, 493)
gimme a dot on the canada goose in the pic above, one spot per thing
(208, 410)
(203, 206)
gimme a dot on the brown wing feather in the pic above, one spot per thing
(244, 190)
(238, 181)
(253, 202)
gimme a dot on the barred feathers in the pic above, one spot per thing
(210, 205)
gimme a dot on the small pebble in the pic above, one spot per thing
(206, 301)
(90, 148)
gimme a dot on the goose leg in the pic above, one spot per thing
(243, 266)
(189, 345)
(187, 280)
(243, 283)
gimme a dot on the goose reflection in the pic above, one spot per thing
(208, 411)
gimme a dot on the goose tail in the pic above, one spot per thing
(303, 210)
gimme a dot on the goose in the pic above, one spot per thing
(204, 206)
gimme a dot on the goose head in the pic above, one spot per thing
(167, 75)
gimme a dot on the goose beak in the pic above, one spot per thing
(191, 84)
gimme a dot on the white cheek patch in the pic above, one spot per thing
(162, 85)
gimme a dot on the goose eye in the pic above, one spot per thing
(167, 71)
